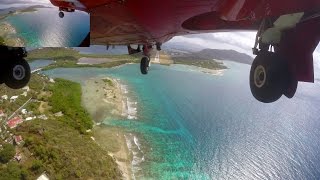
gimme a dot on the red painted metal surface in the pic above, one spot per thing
(297, 46)
(145, 21)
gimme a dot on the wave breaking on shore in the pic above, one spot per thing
(129, 107)
(134, 147)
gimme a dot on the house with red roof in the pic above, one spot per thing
(13, 123)
(18, 140)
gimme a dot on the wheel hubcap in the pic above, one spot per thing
(260, 76)
(19, 72)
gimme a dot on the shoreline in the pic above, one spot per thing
(108, 99)
(105, 99)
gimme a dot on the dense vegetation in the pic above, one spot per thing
(7, 153)
(66, 98)
(10, 169)
(13, 171)
(63, 153)
(2, 42)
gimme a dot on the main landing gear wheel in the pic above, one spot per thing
(144, 65)
(270, 78)
(61, 14)
(292, 85)
(17, 74)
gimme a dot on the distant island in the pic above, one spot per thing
(16, 10)
(208, 55)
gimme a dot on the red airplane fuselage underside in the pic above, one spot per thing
(149, 21)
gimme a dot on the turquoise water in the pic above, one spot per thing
(192, 125)
(44, 28)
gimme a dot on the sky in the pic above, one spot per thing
(239, 41)
(17, 3)
(24, 1)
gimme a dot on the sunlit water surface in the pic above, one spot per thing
(44, 28)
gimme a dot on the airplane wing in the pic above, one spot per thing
(116, 22)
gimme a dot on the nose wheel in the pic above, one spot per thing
(61, 14)
(270, 78)
(17, 74)
(144, 65)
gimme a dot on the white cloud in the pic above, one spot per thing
(316, 57)
(4, 4)
(25, 2)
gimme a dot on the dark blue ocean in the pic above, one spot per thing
(192, 125)
(44, 28)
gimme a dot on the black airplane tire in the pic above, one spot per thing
(61, 14)
(268, 76)
(144, 65)
(292, 86)
(17, 74)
